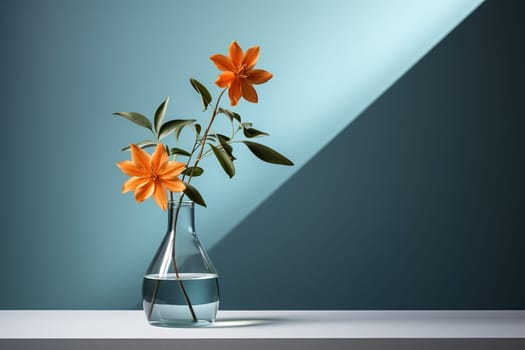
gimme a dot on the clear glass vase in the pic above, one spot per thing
(180, 287)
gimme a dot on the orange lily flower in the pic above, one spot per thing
(239, 74)
(152, 176)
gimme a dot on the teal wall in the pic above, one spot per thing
(425, 205)
(71, 240)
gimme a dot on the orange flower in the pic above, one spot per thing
(152, 176)
(238, 74)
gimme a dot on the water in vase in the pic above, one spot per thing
(166, 304)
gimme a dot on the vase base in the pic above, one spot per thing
(171, 309)
(182, 324)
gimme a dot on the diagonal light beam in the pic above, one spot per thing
(351, 52)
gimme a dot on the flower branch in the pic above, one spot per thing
(156, 175)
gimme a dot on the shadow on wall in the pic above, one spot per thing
(417, 204)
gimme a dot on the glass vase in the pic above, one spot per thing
(180, 287)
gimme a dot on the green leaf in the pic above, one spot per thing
(247, 125)
(230, 114)
(160, 113)
(136, 118)
(267, 154)
(251, 133)
(173, 125)
(180, 151)
(205, 94)
(223, 140)
(194, 194)
(224, 160)
(197, 129)
(179, 129)
(211, 137)
(193, 171)
(141, 144)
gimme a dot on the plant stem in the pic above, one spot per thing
(176, 215)
(153, 299)
(205, 135)
(181, 285)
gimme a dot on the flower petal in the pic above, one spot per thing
(222, 62)
(251, 56)
(160, 196)
(248, 92)
(129, 168)
(234, 92)
(259, 76)
(159, 159)
(224, 79)
(140, 157)
(132, 183)
(144, 191)
(174, 185)
(236, 54)
(173, 169)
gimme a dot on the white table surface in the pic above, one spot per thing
(268, 325)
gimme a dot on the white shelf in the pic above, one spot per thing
(268, 325)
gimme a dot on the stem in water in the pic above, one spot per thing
(199, 157)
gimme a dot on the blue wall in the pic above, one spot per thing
(70, 240)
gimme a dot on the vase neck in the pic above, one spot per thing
(181, 216)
